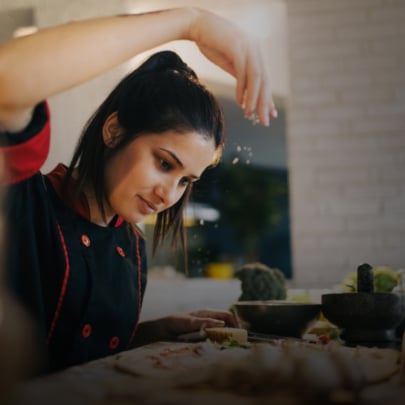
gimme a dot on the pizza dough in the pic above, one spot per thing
(263, 367)
(166, 361)
(376, 364)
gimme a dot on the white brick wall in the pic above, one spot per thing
(346, 128)
(346, 136)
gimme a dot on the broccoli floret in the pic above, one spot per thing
(260, 282)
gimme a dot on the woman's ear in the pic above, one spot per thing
(111, 130)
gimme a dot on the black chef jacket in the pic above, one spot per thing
(82, 283)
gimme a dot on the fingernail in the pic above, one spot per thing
(219, 322)
(274, 113)
(248, 112)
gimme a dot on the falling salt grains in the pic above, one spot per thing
(235, 160)
(201, 222)
(238, 149)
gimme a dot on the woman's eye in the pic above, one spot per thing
(185, 181)
(165, 165)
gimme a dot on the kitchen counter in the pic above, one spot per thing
(102, 383)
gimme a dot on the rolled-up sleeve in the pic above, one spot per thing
(24, 153)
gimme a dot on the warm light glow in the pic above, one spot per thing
(263, 19)
(23, 31)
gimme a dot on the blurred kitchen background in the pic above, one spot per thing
(318, 192)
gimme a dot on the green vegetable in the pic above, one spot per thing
(385, 280)
(349, 283)
(260, 282)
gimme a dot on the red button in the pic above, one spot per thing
(85, 240)
(114, 342)
(120, 251)
(86, 331)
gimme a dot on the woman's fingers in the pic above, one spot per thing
(189, 322)
(258, 100)
(233, 50)
(253, 90)
(214, 317)
(265, 106)
(254, 80)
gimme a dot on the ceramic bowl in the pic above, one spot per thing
(276, 317)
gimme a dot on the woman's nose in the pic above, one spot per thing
(167, 194)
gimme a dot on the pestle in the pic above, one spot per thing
(365, 278)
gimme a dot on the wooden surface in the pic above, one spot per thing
(101, 383)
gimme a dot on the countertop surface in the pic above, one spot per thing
(101, 382)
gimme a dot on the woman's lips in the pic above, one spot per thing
(146, 207)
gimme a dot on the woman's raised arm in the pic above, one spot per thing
(37, 66)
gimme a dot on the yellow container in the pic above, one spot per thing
(221, 270)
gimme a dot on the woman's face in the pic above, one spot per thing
(153, 171)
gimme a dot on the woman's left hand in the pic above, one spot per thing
(170, 327)
(194, 321)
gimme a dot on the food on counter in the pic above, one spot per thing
(227, 335)
(285, 367)
(260, 282)
(322, 331)
(385, 280)
(162, 361)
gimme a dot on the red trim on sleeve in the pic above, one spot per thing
(24, 160)
(63, 288)
(138, 256)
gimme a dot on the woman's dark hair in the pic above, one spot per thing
(160, 95)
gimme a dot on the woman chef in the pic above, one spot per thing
(75, 258)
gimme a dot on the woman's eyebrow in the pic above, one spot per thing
(178, 161)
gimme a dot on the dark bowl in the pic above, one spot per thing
(276, 317)
(365, 317)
